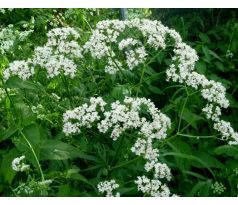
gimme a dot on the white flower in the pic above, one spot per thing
(85, 115)
(59, 52)
(22, 69)
(18, 165)
(55, 96)
(9, 35)
(127, 42)
(212, 112)
(56, 56)
(108, 187)
(226, 130)
(120, 117)
(152, 187)
(155, 35)
(161, 170)
(24, 189)
(2, 94)
(45, 182)
(113, 66)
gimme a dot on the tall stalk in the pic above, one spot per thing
(34, 154)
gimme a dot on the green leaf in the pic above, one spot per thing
(120, 91)
(211, 161)
(32, 132)
(24, 113)
(220, 66)
(227, 150)
(74, 174)
(233, 102)
(6, 169)
(155, 90)
(8, 133)
(15, 82)
(207, 54)
(190, 157)
(181, 147)
(204, 37)
(200, 189)
(194, 174)
(201, 67)
(215, 55)
(57, 150)
(190, 117)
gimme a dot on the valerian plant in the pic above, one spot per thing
(104, 114)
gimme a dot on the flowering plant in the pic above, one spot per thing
(88, 109)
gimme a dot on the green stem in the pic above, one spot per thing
(117, 150)
(9, 96)
(173, 136)
(67, 90)
(15, 194)
(88, 24)
(34, 154)
(180, 119)
(141, 79)
(125, 163)
(193, 136)
(149, 78)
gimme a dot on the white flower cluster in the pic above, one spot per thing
(97, 46)
(18, 165)
(143, 147)
(45, 182)
(108, 187)
(108, 31)
(152, 187)
(121, 117)
(22, 69)
(182, 71)
(7, 39)
(212, 112)
(227, 131)
(134, 57)
(161, 170)
(213, 92)
(56, 56)
(24, 34)
(24, 189)
(85, 115)
(113, 66)
(111, 32)
(127, 116)
(32, 187)
(127, 42)
(2, 94)
(9, 35)
(59, 52)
